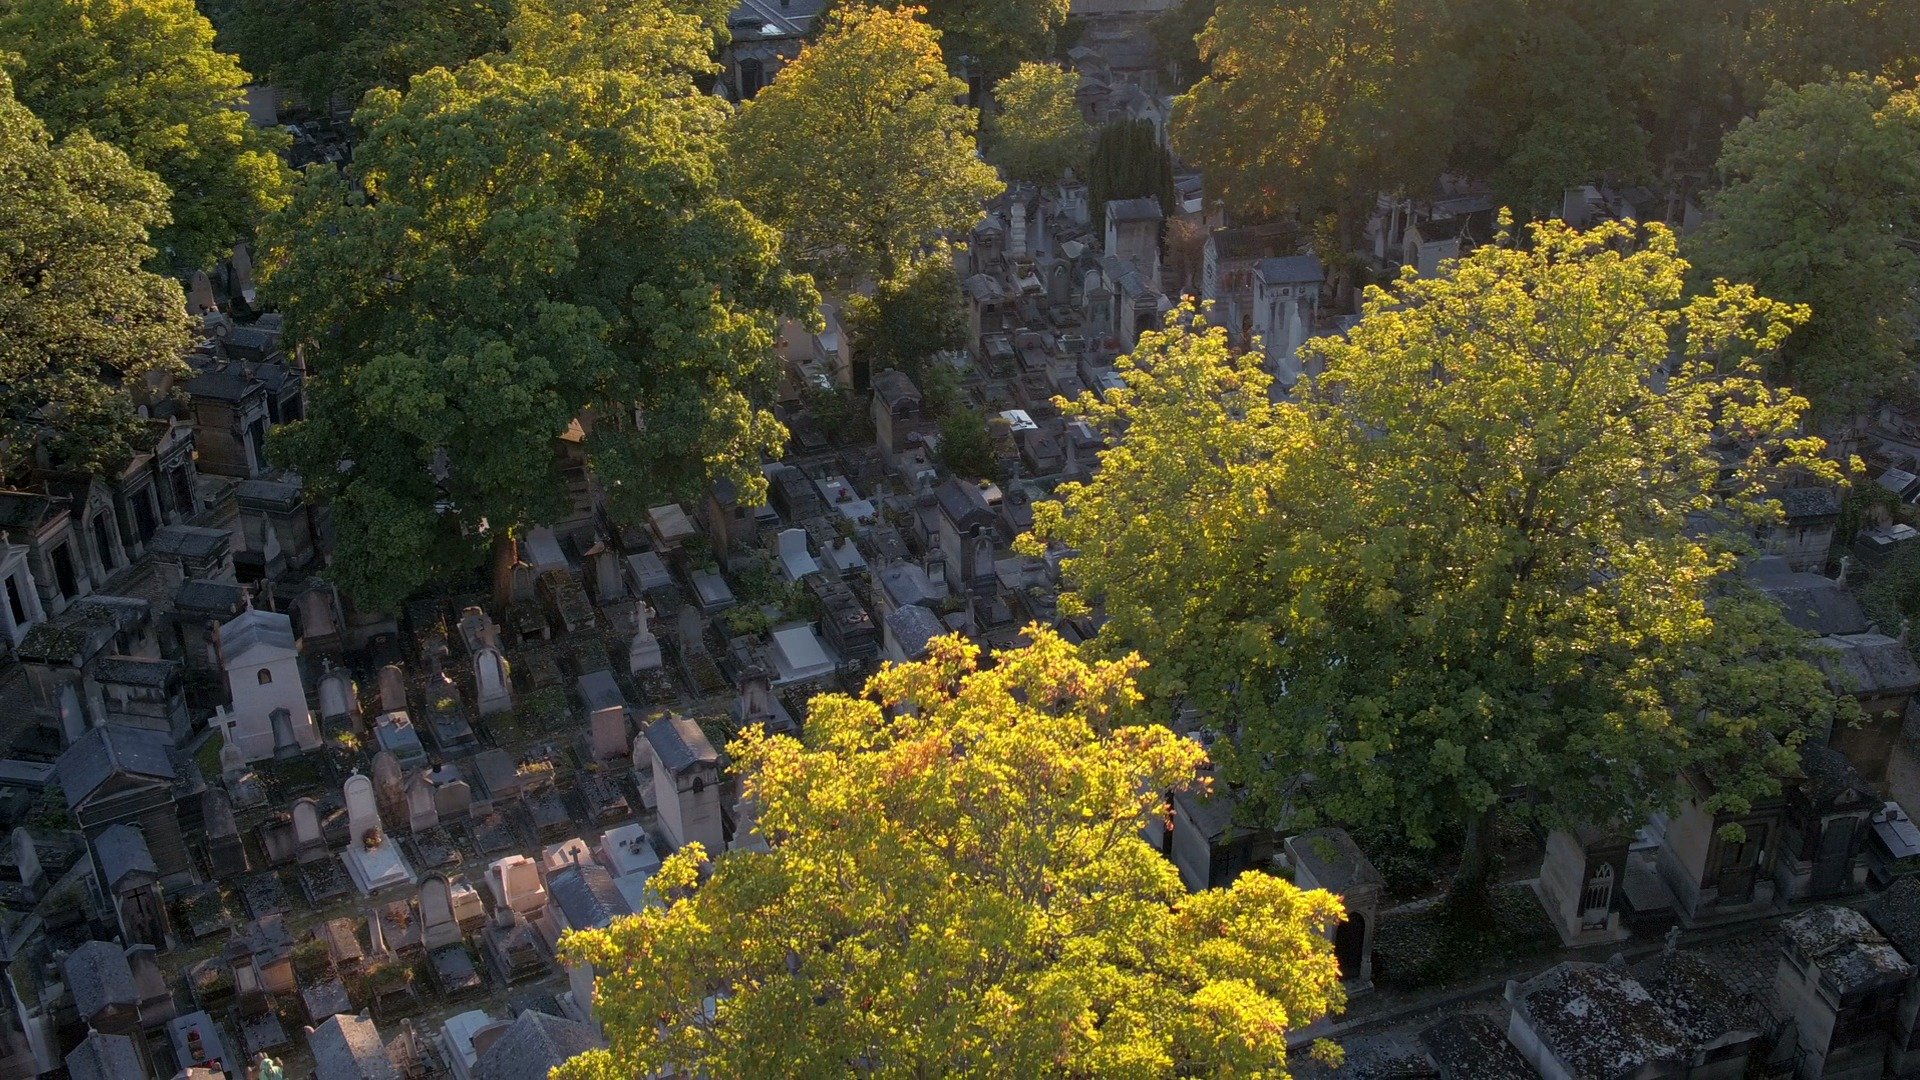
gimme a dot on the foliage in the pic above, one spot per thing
(76, 304)
(989, 37)
(956, 885)
(909, 317)
(143, 75)
(966, 446)
(858, 151)
(1175, 33)
(320, 49)
(528, 245)
(573, 35)
(1128, 162)
(1038, 134)
(1823, 197)
(1891, 594)
(1308, 105)
(1466, 560)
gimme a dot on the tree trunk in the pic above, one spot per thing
(1468, 894)
(505, 554)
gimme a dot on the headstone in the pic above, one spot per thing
(438, 926)
(243, 273)
(423, 811)
(516, 885)
(609, 733)
(233, 763)
(756, 697)
(644, 654)
(491, 690)
(200, 294)
(373, 858)
(337, 698)
(27, 860)
(389, 787)
(309, 841)
(226, 852)
(393, 689)
(363, 809)
(453, 800)
(477, 630)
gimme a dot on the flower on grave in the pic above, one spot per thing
(372, 839)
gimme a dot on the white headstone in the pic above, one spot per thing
(200, 294)
(609, 732)
(491, 690)
(393, 689)
(477, 630)
(363, 810)
(515, 881)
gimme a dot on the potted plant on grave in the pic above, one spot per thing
(372, 840)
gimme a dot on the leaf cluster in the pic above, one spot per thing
(955, 884)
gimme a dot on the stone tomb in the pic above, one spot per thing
(1581, 882)
(492, 692)
(309, 840)
(393, 689)
(381, 865)
(1329, 859)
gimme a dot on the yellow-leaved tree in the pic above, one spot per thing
(954, 884)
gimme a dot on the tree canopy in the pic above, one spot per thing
(909, 317)
(956, 885)
(988, 37)
(1821, 207)
(516, 250)
(1468, 559)
(322, 48)
(1038, 133)
(858, 150)
(1309, 104)
(1128, 162)
(144, 76)
(79, 316)
(1316, 108)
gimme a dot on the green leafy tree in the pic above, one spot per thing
(909, 317)
(320, 49)
(1466, 560)
(530, 249)
(1311, 106)
(79, 317)
(1128, 162)
(652, 37)
(144, 76)
(1821, 207)
(858, 150)
(988, 37)
(966, 446)
(1039, 134)
(1175, 33)
(956, 886)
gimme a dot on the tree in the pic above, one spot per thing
(1039, 133)
(530, 250)
(909, 317)
(1128, 162)
(79, 317)
(654, 37)
(956, 885)
(988, 37)
(1467, 560)
(143, 75)
(1313, 106)
(1821, 207)
(320, 49)
(858, 151)
(966, 445)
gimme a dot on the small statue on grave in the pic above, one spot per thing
(271, 1069)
